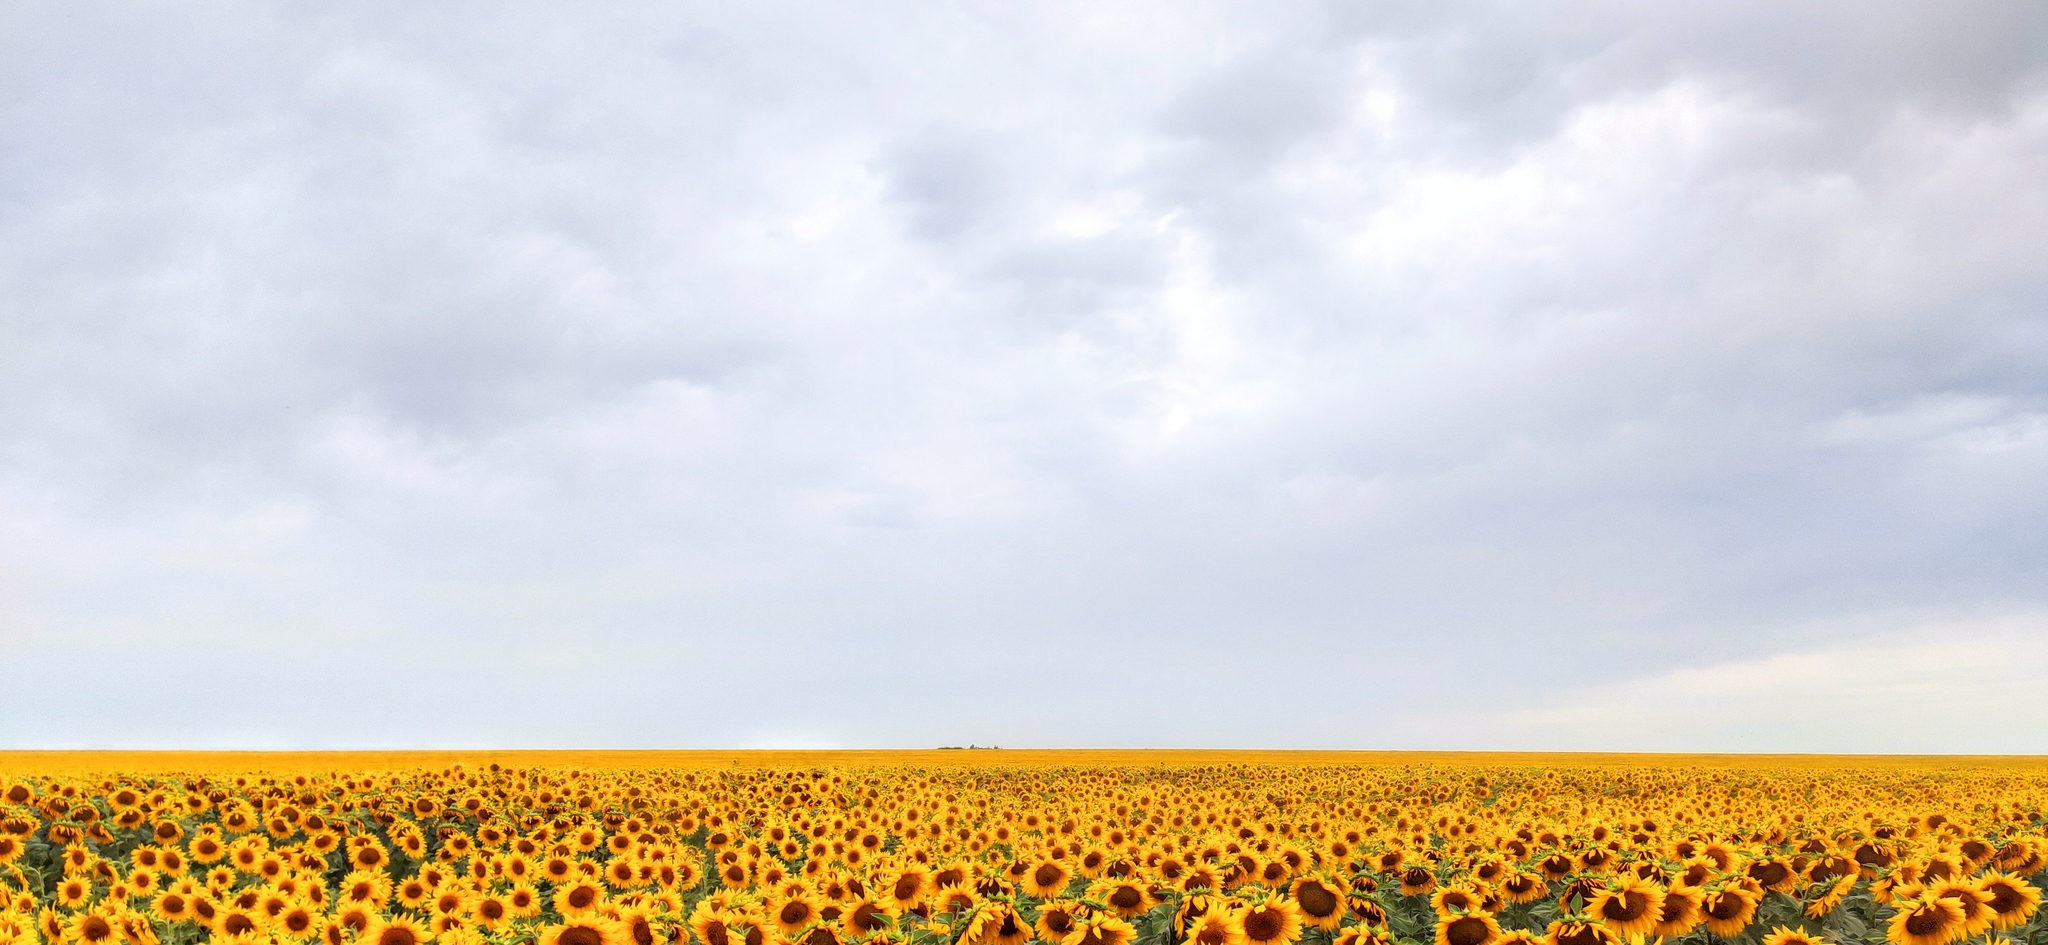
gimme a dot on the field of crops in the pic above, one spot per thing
(1005, 848)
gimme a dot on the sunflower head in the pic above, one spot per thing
(2013, 900)
(1275, 921)
(1926, 920)
(589, 929)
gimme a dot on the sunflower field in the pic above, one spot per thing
(929, 852)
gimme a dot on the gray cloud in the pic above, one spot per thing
(864, 376)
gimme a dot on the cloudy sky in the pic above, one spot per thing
(1579, 375)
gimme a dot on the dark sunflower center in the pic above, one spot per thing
(1317, 900)
(1467, 931)
(1627, 907)
(581, 935)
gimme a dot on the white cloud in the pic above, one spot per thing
(798, 347)
(1937, 688)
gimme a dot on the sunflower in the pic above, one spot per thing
(1101, 929)
(1629, 906)
(1416, 881)
(1926, 920)
(172, 906)
(634, 922)
(1047, 878)
(235, 920)
(1364, 935)
(413, 893)
(1201, 877)
(143, 881)
(954, 899)
(1367, 909)
(1975, 903)
(1889, 890)
(1456, 898)
(1943, 866)
(1826, 896)
(395, 930)
(1786, 935)
(1216, 927)
(354, 919)
(524, 899)
(1275, 921)
(1056, 919)
(1830, 868)
(493, 911)
(1321, 901)
(1475, 928)
(1728, 912)
(1523, 888)
(1773, 875)
(996, 923)
(864, 917)
(794, 913)
(711, 925)
(688, 873)
(588, 929)
(297, 922)
(1577, 932)
(1127, 898)
(2013, 900)
(575, 899)
(907, 887)
(1679, 912)
(621, 873)
(91, 928)
(73, 893)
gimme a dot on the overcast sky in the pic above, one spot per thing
(1588, 375)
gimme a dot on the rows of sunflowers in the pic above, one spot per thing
(1221, 854)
